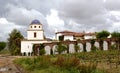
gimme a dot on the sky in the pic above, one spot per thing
(59, 15)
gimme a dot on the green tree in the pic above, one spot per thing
(2, 45)
(60, 48)
(14, 42)
(92, 41)
(102, 34)
(115, 35)
(42, 49)
(76, 47)
(101, 43)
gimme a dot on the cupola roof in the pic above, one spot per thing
(35, 22)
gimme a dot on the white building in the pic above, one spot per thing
(35, 35)
(89, 36)
(68, 35)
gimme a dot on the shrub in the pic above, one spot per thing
(87, 67)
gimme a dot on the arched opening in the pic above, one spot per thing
(24, 54)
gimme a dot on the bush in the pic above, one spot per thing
(73, 64)
(87, 67)
(62, 64)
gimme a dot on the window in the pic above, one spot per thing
(31, 26)
(39, 26)
(35, 34)
(34, 26)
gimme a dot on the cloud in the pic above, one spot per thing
(112, 4)
(73, 15)
(7, 27)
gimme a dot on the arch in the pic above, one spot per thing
(29, 54)
(88, 47)
(105, 45)
(24, 54)
(97, 45)
(54, 49)
(81, 47)
(47, 50)
(71, 48)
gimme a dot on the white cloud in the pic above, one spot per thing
(6, 28)
(54, 21)
(115, 27)
(74, 15)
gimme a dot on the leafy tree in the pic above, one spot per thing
(14, 42)
(67, 48)
(2, 45)
(42, 49)
(60, 48)
(76, 47)
(103, 34)
(94, 48)
(101, 44)
(92, 41)
(115, 35)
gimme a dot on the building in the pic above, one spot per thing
(68, 35)
(90, 36)
(35, 35)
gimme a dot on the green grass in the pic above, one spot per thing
(5, 52)
(85, 62)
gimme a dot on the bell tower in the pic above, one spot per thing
(35, 31)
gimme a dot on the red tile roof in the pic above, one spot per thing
(76, 34)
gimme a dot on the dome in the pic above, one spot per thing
(35, 22)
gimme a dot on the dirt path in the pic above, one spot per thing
(7, 66)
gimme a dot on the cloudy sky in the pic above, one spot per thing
(58, 15)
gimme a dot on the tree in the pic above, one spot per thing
(60, 48)
(92, 41)
(115, 35)
(101, 43)
(2, 45)
(103, 34)
(42, 49)
(76, 47)
(14, 42)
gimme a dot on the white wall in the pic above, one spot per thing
(68, 38)
(57, 36)
(39, 35)
(35, 28)
(38, 27)
(65, 37)
(89, 37)
(26, 46)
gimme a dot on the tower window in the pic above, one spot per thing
(39, 26)
(34, 26)
(35, 34)
(31, 26)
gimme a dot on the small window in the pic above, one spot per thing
(39, 26)
(31, 26)
(35, 34)
(34, 26)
